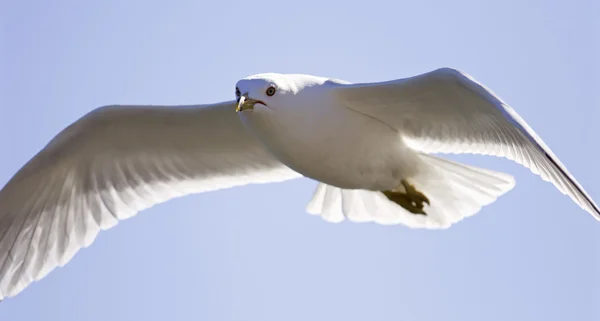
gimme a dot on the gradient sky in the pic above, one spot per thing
(252, 253)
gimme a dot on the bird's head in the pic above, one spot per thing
(271, 92)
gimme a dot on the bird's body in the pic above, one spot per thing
(369, 146)
(330, 143)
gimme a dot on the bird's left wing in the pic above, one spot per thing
(447, 111)
(111, 164)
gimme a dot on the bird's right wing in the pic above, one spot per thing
(111, 164)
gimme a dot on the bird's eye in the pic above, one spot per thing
(237, 92)
(271, 91)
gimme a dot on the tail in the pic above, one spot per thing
(455, 191)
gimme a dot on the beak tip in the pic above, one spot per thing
(240, 104)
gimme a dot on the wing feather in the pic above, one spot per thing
(447, 111)
(111, 164)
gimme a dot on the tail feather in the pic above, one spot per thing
(455, 191)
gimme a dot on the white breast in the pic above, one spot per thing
(332, 144)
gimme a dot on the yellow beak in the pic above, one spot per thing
(240, 104)
(244, 103)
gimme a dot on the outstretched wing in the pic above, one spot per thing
(111, 164)
(447, 111)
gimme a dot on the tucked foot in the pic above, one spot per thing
(411, 199)
(414, 194)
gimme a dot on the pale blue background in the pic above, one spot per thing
(252, 253)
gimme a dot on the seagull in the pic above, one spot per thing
(369, 146)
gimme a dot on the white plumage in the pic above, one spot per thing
(357, 140)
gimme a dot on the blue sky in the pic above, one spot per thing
(252, 253)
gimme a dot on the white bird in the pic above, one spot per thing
(367, 144)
